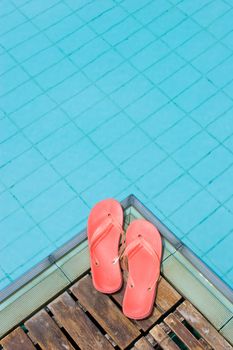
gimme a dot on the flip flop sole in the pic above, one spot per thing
(106, 276)
(140, 294)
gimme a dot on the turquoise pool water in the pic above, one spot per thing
(107, 98)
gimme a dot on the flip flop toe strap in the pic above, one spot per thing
(133, 248)
(100, 233)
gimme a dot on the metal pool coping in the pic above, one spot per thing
(180, 266)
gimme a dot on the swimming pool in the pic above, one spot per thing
(109, 98)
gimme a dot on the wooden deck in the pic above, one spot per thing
(82, 318)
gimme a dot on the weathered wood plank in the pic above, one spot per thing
(204, 328)
(44, 331)
(77, 324)
(166, 296)
(102, 308)
(17, 340)
(143, 344)
(183, 333)
(163, 339)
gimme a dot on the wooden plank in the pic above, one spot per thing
(183, 333)
(17, 340)
(163, 339)
(166, 296)
(143, 344)
(203, 327)
(44, 331)
(102, 308)
(77, 324)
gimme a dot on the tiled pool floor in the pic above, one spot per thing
(107, 98)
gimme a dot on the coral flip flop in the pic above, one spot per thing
(143, 251)
(104, 230)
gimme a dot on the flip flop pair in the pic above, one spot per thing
(143, 250)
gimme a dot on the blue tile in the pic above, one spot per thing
(212, 108)
(162, 120)
(222, 74)
(56, 74)
(195, 149)
(195, 95)
(65, 219)
(4, 283)
(7, 129)
(34, 109)
(34, 184)
(178, 135)
(211, 58)
(196, 45)
(121, 31)
(90, 52)
(135, 43)
(228, 40)
(8, 204)
(211, 12)
(23, 32)
(164, 68)
(75, 156)
(125, 147)
(21, 167)
(30, 47)
(167, 21)
(42, 60)
(111, 130)
(183, 32)
(80, 37)
(46, 125)
(15, 225)
(66, 26)
(142, 161)
(53, 15)
(212, 230)
(108, 19)
(91, 172)
(146, 105)
(229, 204)
(131, 91)
(150, 55)
(133, 6)
(159, 178)
(212, 165)
(109, 186)
(93, 10)
(229, 143)
(222, 127)
(15, 249)
(31, 9)
(176, 194)
(189, 7)
(116, 78)
(20, 96)
(82, 101)
(49, 201)
(220, 188)
(222, 25)
(180, 81)
(13, 147)
(221, 255)
(59, 140)
(7, 62)
(69, 88)
(6, 8)
(96, 115)
(13, 78)
(195, 210)
(11, 21)
(102, 65)
(152, 10)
